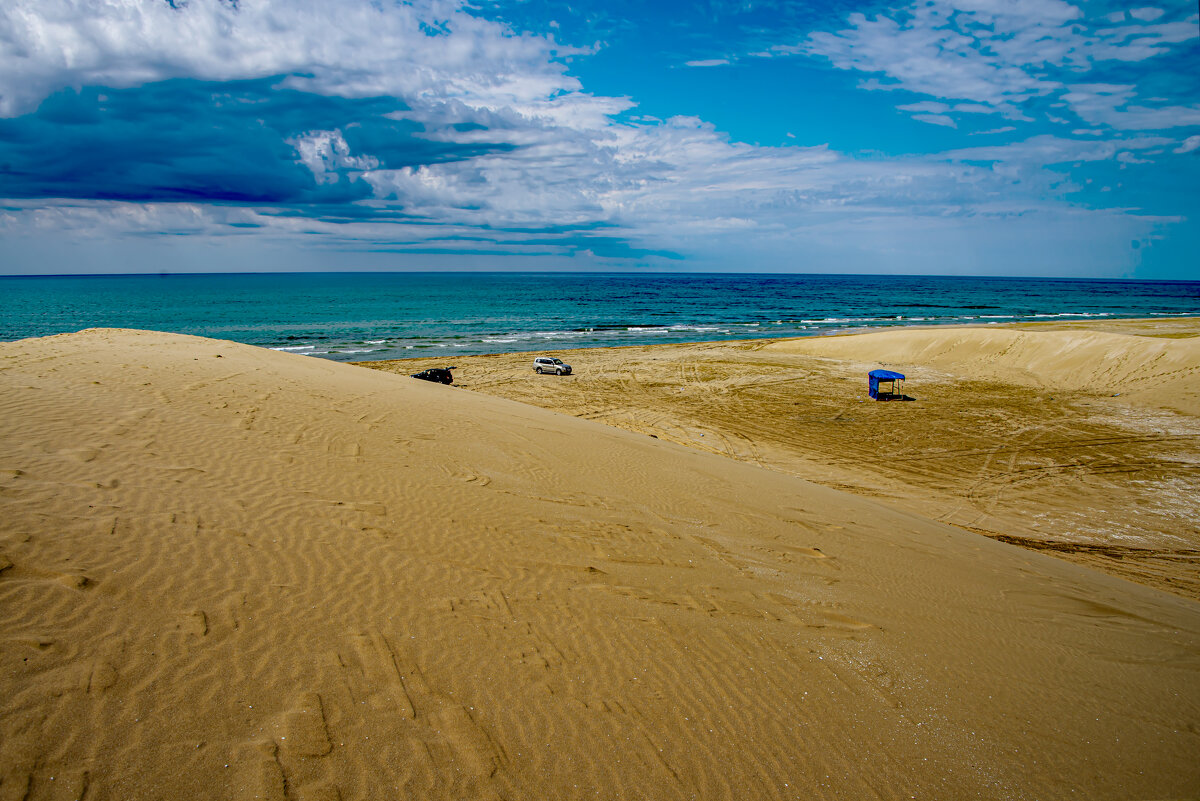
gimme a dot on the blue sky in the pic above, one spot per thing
(985, 137)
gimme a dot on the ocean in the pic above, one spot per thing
(368, 316)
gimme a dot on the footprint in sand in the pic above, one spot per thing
(76, 581)
(82, 454)
(259, 774)
(195, 623)
(379, 674)
(449, 744)
(102, 676)
(278, 769)
(307, 733)
(839, 625)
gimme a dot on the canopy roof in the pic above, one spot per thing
(885, 375)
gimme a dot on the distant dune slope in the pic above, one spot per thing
(1159, 371)
(1106, 479)
(227, 572)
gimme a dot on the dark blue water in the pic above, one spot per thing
(361, 316)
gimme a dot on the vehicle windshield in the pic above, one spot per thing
(557, 361)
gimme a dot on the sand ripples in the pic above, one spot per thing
(263, 576)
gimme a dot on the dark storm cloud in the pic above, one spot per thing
(187, 140)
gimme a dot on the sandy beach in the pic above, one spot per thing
(1080, 439)
(228, 572)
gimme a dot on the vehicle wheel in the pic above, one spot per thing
(537, 370)
(558, 372)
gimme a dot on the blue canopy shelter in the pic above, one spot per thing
(875, 377)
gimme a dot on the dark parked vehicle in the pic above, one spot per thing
(440, 375)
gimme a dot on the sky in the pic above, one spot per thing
(960, 137)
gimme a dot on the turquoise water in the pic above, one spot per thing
(364, 316)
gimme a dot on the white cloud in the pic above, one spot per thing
(1111, 105)
(927, 51)
(1125, 157)
(571, 161)
(998, 55)
(1189, 144)
(574, 159)
(974, 108)
(1038, 151)
(327, 155)
(936, 119)
(1136, 42)
(708, 62)
(936, 113)
(1146, 14)
(353, 48)
(926, 107)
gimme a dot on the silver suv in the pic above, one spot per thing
(547, 364)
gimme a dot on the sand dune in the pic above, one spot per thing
(1162, 371)
(232, 573)
(1104, 478)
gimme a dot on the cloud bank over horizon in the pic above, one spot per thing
(1001, 137)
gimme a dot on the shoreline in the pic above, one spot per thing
(1187, 322)
(1114, 323)
(374, 316)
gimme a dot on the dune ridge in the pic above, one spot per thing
(1016, 433)
(1146, 369)
(227, 572)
